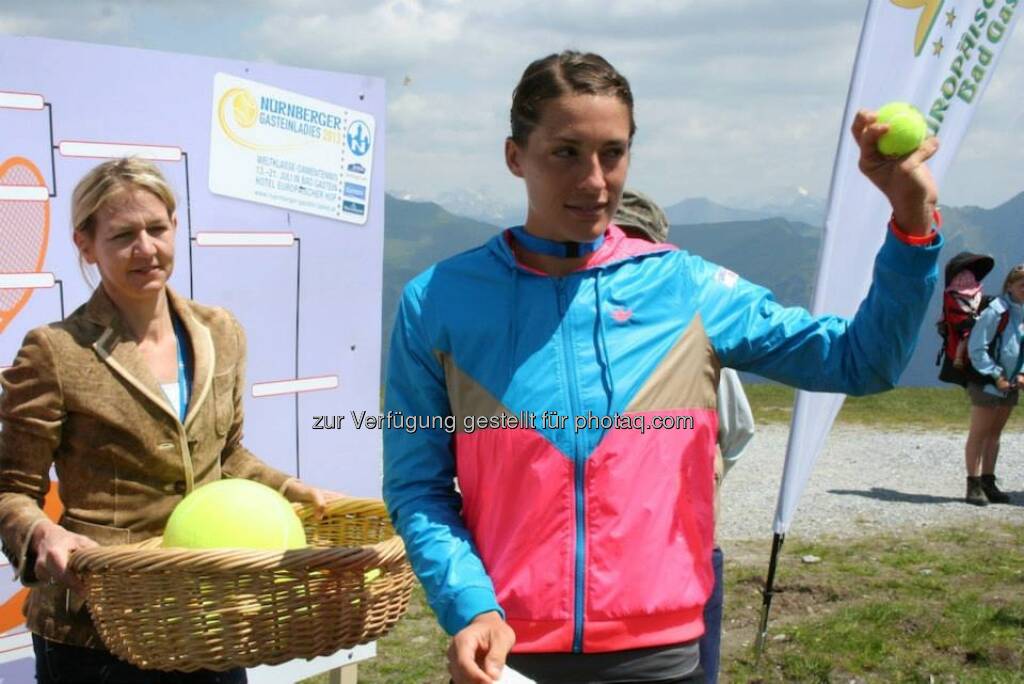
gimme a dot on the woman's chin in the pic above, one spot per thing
(142, 287)
(586, 231)
(150, 284)
(596, 232)
(571, 228)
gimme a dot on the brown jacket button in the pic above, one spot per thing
(179, 487)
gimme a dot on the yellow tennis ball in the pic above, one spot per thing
(907, 129)
(234, 513)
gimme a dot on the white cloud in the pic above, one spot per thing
(67, 19)
(732, 98)
(392, 35)
(687, 62)
(14, 25)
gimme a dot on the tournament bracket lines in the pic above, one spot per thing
(528, 420)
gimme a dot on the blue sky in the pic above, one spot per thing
(737, 101)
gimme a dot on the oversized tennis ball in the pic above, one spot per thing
(907, 129)
(234, 513)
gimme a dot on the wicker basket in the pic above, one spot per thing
(181, 609)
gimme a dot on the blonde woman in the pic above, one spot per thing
(135, 399)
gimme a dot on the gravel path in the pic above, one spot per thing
(865, 480)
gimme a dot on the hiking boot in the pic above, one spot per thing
(992, 493)
(975, 494)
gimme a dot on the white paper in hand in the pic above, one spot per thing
(510, 676)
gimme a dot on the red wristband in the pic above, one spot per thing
(917, 240)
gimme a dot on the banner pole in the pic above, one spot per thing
(767, 593)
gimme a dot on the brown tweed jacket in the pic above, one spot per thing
(80, 398)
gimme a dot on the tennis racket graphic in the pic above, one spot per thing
(24, 229)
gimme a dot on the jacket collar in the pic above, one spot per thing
(101, 310)
(118, 349)
(617, 247)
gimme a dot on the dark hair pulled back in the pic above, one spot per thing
(565, 73)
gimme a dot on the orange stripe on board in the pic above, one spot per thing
(10, 611)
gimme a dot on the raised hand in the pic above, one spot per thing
(905, 181)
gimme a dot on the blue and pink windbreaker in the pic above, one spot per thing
(598, 539)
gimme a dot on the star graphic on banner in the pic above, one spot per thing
(937, 47)
(950, 17)
(929, 12)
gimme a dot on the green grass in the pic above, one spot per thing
(945, 605)
(924, 408)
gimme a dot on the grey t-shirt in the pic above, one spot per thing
(657, 664)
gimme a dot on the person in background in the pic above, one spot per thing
(135, 399)
(991, 404)
(640, 216)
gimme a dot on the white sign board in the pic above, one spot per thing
(288, 150)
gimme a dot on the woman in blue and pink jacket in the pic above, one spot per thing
(584, 535)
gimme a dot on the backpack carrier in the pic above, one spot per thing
(959, 314)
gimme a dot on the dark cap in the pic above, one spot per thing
(979, 264)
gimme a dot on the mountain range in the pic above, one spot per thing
(779, 252)
(795, 204)
(797, 207)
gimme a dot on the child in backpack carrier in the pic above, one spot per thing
(962, 300)
(962, 303)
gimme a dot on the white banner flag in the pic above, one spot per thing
(938, 55)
